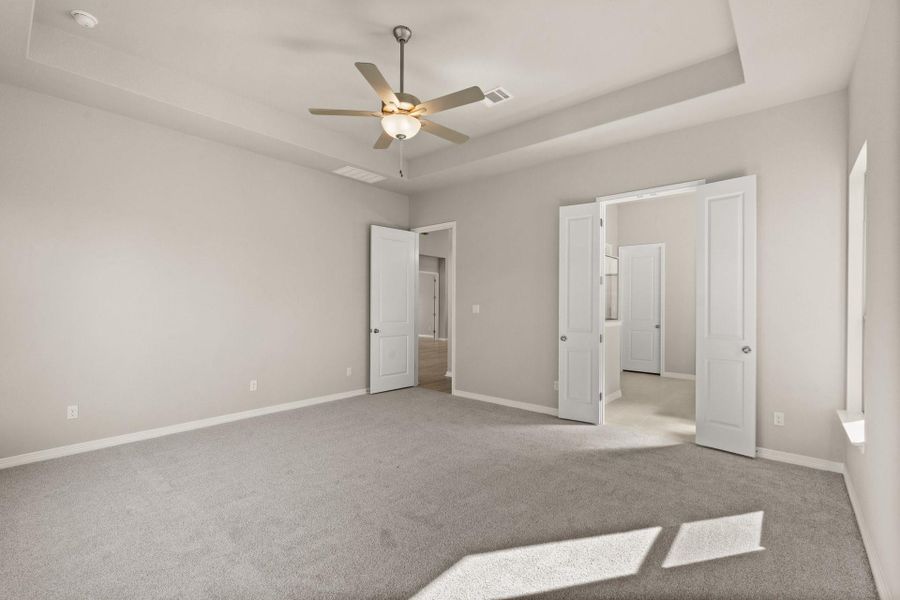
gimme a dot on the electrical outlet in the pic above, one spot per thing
(349, 371)
(476, 309)
(253, 385)
(72, 412)
(556, 385)
(779, 419)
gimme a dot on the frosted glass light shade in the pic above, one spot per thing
(400, 126)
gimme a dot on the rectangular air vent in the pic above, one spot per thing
(358, 174)
(496, 96)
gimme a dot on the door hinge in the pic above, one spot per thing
(601, 338)
(601, 222)
(601, 280)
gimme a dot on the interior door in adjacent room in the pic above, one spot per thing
(394, 266)
(429, 307)
(726, 315)
(640, 277)
(580, 312)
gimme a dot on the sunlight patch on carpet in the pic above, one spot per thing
(543, 567)
(710, 539)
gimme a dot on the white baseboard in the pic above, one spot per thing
(612, 397)
(874, 562)
(118, 440)
(800, 459)
(547, 410)
(448, 374)
(674, 375)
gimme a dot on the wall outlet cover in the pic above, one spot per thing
(254, 385)
(72, 411)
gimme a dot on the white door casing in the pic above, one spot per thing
(640, 275)
(394, 266)
(726, 315)
(581, 240)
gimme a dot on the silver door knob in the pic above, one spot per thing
(562, 338)
(746, 350)
(376, 331)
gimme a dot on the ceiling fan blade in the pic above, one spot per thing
(451, 135)
(344, 113)
(383, 141)
(460, 98)
(378, 82)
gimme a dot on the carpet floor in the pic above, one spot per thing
(415, 493)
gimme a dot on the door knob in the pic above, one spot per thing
(746, 350)
(657, 325)
(562, 338)
(376, 331)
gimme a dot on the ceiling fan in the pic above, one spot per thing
(402, 114)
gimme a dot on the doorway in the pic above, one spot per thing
(435, 307)
(653, 241)
(719, 359)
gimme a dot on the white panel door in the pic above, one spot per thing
(394, 271)
(726, 315)
(639, 276)
(580, 318)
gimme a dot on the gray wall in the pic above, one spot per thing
(507, 244)
(148, 276)
(671, 221)
(875, 116)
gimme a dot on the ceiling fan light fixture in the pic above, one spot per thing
(400, 126)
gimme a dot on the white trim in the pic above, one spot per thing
(854, 424)
(440, 339)
(653, 193)
(538, 408)
(428, 335)
(875, 564)
(613, 397)
(674, 375)
(448, 374)
(137, 436)
(800, 459)
(451, 289)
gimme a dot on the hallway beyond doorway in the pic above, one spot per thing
(433, 365)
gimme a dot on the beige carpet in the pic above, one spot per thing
(417, 493)
(662, 405)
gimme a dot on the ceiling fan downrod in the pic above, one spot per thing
(402, 33)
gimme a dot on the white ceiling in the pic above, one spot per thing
(245, 72)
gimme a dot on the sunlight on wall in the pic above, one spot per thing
(715, 538)
(543, 567)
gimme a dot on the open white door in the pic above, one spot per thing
(580, 316)
(639, 276)
(726, 315)
(394, 271)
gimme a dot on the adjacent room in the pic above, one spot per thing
(650, 261)
(470, 300)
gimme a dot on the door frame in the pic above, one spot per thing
(663, 191)
(662, 299)
(451, 295)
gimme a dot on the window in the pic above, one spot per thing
(852, 417)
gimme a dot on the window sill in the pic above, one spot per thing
(854, 424)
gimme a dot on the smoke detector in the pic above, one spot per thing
(84, 18)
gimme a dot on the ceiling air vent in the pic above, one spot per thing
(358, 174)
(496, 96)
